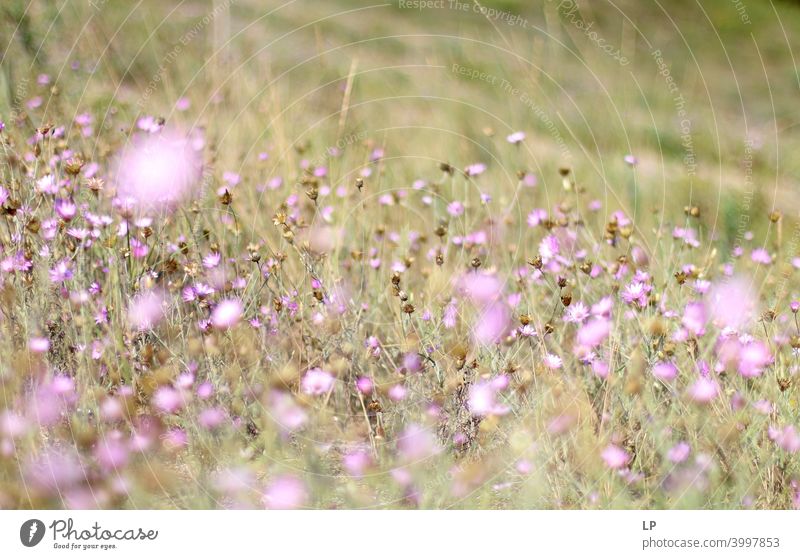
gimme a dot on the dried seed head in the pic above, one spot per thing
(566, 299)
(359, 183)
(226, 198)
(408, 308)
(586, 267)
(562, 281)
(775, 216)
(396, 278)
(536, 262)
(524, 319)
(447, 168)
(476, 263)
(680, 277)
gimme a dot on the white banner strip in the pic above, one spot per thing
(400, 534)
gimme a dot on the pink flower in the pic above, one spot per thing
(146, 310)
(285, 492)
(552, 361)
(733, 303)
(356, 462)
(285, 412)
(636, 292)
(594, 332)
(679, 453)
(761, 256)
(365, 385)
(61, 272)
(492, 324)
(665, 371)
(455, 208)
(168, 400)
(754, 357)
(66, 209)
(694, 318)
(515, 137)
(615, 457)
(39, 345)
(482, 400)
(416, 443)
(227, 314)
(317, 382)
(158, 171)
(786, 438)
(704, 390)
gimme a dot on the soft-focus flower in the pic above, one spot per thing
(515, 137)
(416, 443)
(227, 314)
(786, 438)
(158, 171)
(754, 357)
(482, 400)
(704, 390)
(285, 492)
(679, 453)
(146, 310)
(615, 457)
(316, 382)
(665, 371)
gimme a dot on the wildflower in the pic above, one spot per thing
(761, 256)
(146, 310)
(594, 332)
(285, 492)
(733, 303)
(284, 410)
(158, 171)
(475, 169)
(416, 443)
(786, 438)
(636, 293)
(615, 457)
(482, 400)
(168, 400)
(754, 357)
(317, 382)
(364, 385)
(679, 453)
(455, 209)
(66, 209)
(704, 390)
(577, 312)
(492, 324)
(552, 361)
(694, 318)
(515, 138)
(536, 217)
(61, 272)
(665, 371)
(39, 345)
(227, 314)
(211, 260)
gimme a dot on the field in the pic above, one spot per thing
(432, 254)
